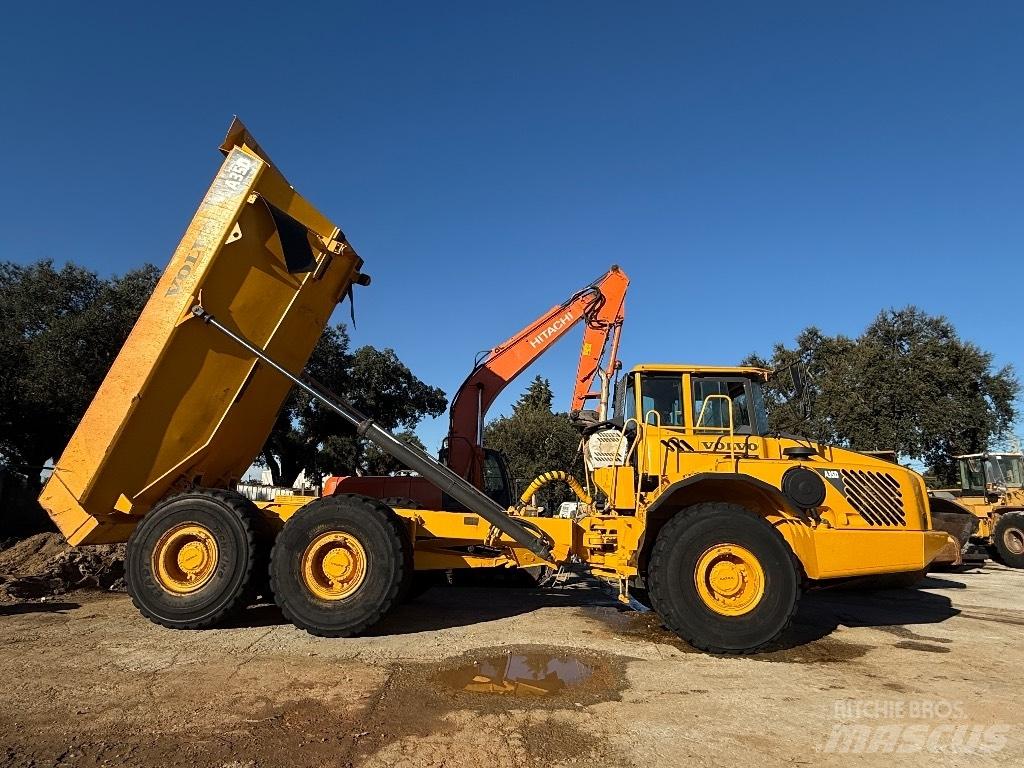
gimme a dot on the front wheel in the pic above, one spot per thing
(723, 579)
(1008, 539)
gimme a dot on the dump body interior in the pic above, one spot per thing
(182, 405)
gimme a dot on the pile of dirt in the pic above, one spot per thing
(45, 565)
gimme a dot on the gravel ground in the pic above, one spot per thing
(928, 677)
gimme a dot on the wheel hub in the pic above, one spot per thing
(1013, 538)
(729, 579)
(334, 565)
(185, 558)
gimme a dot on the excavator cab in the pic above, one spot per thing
(497, 478)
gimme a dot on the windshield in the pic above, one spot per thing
(711, 410)
(760, 412)
(1005, 470)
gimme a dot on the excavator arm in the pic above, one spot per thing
(600, 306)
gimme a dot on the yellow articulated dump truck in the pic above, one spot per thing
(688, 494)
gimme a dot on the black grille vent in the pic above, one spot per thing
(876, 496)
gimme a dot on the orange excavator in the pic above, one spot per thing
(600, 306)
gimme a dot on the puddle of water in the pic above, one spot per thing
(519, 674)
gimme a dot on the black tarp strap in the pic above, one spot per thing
(294, 237)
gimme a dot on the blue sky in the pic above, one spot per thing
(754, 167)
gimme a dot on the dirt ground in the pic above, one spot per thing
(928, 677)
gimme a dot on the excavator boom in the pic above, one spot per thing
(600, 305)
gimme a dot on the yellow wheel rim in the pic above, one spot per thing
(334, 565)
(185, 558)
(729, 579)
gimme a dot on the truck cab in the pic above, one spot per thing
(686, 435)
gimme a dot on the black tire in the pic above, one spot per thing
(383, 538)
(230, 519)
(1008, 539)
(672, 585)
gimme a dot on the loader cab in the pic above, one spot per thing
(985, 474)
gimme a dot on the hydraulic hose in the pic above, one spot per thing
(552, 477)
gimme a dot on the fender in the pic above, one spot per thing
(662, 508)
(731, 478)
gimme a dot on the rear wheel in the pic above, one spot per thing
(723, 579)
(189, 563)
(1008, 539)
(340, 564)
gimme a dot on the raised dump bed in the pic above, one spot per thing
(183, 406)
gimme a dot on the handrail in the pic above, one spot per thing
(730, 431)
(629, 451)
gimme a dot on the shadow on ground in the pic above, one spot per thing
(809, 639)
(447, 607)
(822, 612)
(15, 609)
(444, 607)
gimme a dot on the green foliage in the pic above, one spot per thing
(377, 462)
(311, 437)
(537, 395)
(62, 330)
(536, 440)
(909, 383)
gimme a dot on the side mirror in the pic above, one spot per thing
(796, 372)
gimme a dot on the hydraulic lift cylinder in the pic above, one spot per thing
(444, 478)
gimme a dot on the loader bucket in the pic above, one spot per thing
(183, 406)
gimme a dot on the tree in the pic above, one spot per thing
(308, 436)
(377, 462)
(536, 440)
(537, 395)
(909, 383)
(62, 330)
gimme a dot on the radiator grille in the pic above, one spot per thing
(876, 496)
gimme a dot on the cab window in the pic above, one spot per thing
(496, 483)
(715, 416)
(972, 475)
(662, 400)
(629, 401)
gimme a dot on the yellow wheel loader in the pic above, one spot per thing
(691, 496)
(992, 490)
